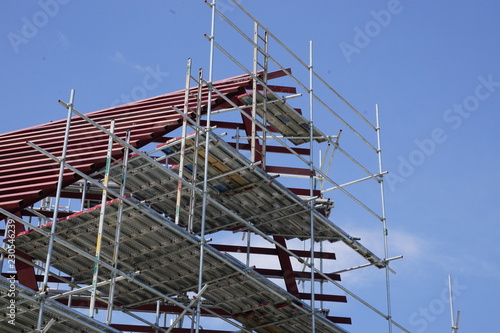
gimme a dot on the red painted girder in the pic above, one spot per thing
(12, 205)
(278, 73)
(72, 155)
(149, 329)
(43, 169)
(305, 192)
(79, 130)
(40, 278)
(340, 320)
(248, 131)
(26, 273)
(54, 145)
(274, 149)
(277, 273)
(37, 176)
(227, 105)
(47, 213)
(233, 125)
(30, 197)
(280, 89)
(170, 309)
(271, 251)
(286, 266)
(78, 125)
(162, 103)
(24, 195)
(288, 170)
(42, 182)
(323, 297)
(77, 195)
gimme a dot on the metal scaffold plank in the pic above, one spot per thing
(165, 256)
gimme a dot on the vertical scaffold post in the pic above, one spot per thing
(118, 230)
(102, 215)
(158, 315)
(253, 141)
(205, 168)
(261, 65)
(54, 217)
(384, 221)
(183, 143)
(192, 198)
(311, 183)
(454, 320)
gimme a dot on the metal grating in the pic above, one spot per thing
(166, 258)
(242, 188)
(283, 118)
(27, 309)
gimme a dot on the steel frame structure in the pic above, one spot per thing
(137, 248)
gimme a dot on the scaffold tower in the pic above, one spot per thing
(208, 209)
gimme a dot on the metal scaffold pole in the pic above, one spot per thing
(454, 320)
(253, 142)
(119, 221)
(62, 160)
(384, 222)
(311, 183)
(183, 143)
(192, 199)
(102, 215)
(205, 167)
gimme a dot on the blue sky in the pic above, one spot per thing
(431, 66)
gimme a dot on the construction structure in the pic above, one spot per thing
(150, 216)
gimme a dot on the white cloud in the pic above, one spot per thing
(467, 265)
(120, 59)
(413, 248)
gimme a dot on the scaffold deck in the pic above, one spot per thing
(241, 187)
(27, 308)
(165, 257)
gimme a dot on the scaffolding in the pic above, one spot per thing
(130, 250)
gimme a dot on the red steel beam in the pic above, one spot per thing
(26, 273)
(149, 329)
(39, 278)
(248, 131)
(170, 309)
(234, 125)
(277, 273)
(286, 266)
(274, 149)
(281, 89)
(340, 320)
(305, 192)
(288, 170)
(323, 297)
(271, 251)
